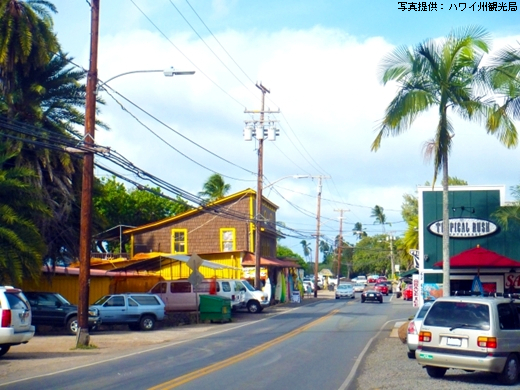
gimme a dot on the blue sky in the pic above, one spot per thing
(320, 59)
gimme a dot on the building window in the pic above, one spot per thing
(179, 241)
(227, 240)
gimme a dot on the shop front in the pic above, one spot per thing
(484, 257)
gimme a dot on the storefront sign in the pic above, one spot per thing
(249, 272)
(464, 227)
(416, 290)
(512, 280)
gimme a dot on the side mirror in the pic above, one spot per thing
(58, 304)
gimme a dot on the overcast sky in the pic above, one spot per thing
(319, 59)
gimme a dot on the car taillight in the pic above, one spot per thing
(487, 342)
(411, 328)
(6, 318)
(425, 337)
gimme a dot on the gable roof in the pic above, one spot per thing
(480, 258)
(210, 207)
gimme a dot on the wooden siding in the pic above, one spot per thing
(203, 231)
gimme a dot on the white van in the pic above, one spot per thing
(242, 294)
(179, 295)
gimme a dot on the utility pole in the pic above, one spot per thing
(317, 254)
(85, 238)
(259, 132)
(391, 238)
(340, 246)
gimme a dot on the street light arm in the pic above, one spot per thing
(167, 72)
(124, 74)
(286, 177)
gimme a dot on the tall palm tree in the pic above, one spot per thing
(378, 212)
(51, 99)
(214, 188)
(21, 246)
(306, 249)
(446, 75)
(28, 40)
(358, 231)
(505, 78)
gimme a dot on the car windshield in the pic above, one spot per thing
(62, 299)
(247, 285)
(344, 287)
(458, 314)
(102, 300)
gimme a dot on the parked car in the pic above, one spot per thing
(345, 290)
(49, 308)
(381, 279)
(15, 318)
(408, 293)
(382, 288)
(471, 334)
(138, 310)
(414, 326)
(308, 286)
(362, 279)
(359, 287)
(371, 295)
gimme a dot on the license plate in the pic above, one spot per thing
(454, 342)
(370, 295)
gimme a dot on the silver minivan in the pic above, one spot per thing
(471, 334)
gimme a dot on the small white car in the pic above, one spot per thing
(359, 287)
(15, 318)
(345, 290)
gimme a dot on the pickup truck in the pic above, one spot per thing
(137, 310)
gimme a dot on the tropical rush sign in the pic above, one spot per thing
(464, 227)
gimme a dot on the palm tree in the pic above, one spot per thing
(28, 40)
(446, 75)
(51, 99)
(378, 213)
(21, 245)
(358, 231)
(505, 78)
(306, 249)
(214, 188)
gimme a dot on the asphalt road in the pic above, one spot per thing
(318, 345)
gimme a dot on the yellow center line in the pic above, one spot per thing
(240, 357)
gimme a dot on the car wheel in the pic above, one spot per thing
(147, 323)
(411, 354)
(362, 301)
(436, 372)
(253, 307)
(4, 349)
(380, 301)
(72, 325)
(509, 374)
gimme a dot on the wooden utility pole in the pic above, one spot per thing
(85, 239)
(258, 217)
(340, 245)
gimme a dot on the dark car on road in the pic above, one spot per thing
(372, 296)
(50, 308)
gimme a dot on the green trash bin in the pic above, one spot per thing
(214, 308)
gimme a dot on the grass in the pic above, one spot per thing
(90, 346)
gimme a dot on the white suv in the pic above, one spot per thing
(15, 318)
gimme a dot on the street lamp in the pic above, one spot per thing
(83, 337)
(170, 72)
(286, 177)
